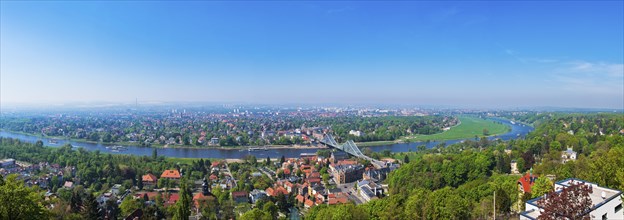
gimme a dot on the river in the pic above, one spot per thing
(518, 130)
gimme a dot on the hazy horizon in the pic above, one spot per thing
(490, 54)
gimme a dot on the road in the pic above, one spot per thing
(349, 189)
(227, 171)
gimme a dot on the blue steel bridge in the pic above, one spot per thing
(350, 148)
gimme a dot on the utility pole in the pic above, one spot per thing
(494, 204)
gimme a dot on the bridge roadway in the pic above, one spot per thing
(350, 148)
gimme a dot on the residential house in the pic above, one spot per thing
(149, 179)
(256, 195)
(68, 185)
(171, 174)
(240, 196)
(337, 155)
(369, 190)
(568, 155)
(273, 192)
(171, 199)
(606, 202)
(347, 173)
(526, 182)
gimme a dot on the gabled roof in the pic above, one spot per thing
(300, 198)
(527, 182)
(215, 163)
(175, 174)
(309, 203)
(198, 197)
(172, 199)
(150, 195)
(149, 178)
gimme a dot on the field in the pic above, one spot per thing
(468, 128)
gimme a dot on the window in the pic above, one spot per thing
(604, 217)
(618, 208)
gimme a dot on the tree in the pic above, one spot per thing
(18, 201)
(542, 186)
(75, 202)
(111, 209)
(256, 214)
(406, 159)
(183, 206)
(268, 161)
(555, 146)
(154, 154)
(128, 205)
(573, 202)
(486, 132)
(326, 179)
(282, 159)
(421, 147)
(503, 202)
(270, 208)
(520, 165)
(90, 209)
(140, 181)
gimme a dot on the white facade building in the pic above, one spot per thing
(568, 155)
(356, 133)
(607, 203)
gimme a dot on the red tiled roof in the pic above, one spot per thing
(198, 197)
(527, 182)
(149, 178)
(215, 163)
(287, 171)
(309, 203)
(270, 191)
(346, 162)
(281, 190)
(300, 198)
(313, 180)
(174, 174)
(288, 184)
(150, 195)
(239, 194)
(314, 175)
(173, 198)
(213, 177)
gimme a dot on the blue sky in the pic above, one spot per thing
(494, 54)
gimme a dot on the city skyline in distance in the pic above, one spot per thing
(510, 54)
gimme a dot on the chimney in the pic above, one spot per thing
(603, 195)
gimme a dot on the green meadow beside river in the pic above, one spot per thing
(468, 128)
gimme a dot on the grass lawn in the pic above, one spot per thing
(374, 143)
(469, 127)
